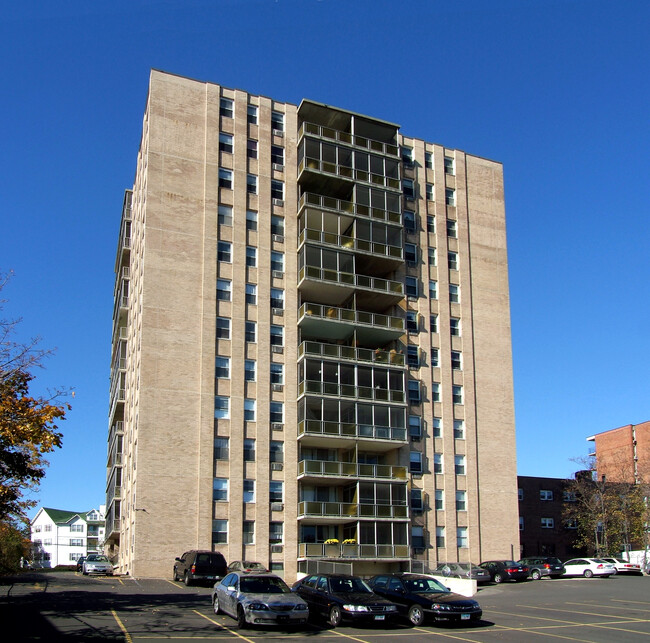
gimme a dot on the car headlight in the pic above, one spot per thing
(355, 608)
(301, 607)
(440, 607)
(391, 608)
(258, 607)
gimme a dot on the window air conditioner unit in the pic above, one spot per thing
(277, 426)
(278, 237)
(278, 274)
(279, 202)
(277, 506)
(278, 166)
(277, 387)
(276, 466)
(277, 349)
(278, 132)
(276, 549)
(278, 311)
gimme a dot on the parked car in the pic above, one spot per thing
(255, 599)
(543, 566)
(340, 598)
(80, 563)
(420, 598)
(588, 567)
(246, 566)
(502, 570)
(624, 566)
(463, 570)
(198, 566)
(97, 564)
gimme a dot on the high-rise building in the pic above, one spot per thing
(311, 343)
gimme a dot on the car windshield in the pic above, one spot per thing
(423, 585)
(348, 585)
(554, 561)
(95, 558)
(263, 585)
(510, 563)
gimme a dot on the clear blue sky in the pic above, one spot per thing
(558, 90)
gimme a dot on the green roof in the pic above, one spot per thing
(62, 516)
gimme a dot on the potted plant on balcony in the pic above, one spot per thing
(332, 548)
(350, 547)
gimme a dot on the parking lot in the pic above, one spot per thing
(64, 606)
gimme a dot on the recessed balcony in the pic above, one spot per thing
(343, 435)
(367, 552)
(346, 138)
(351, 354)
(318, 469)
(366, 393)
(341, 206)
(341, 512)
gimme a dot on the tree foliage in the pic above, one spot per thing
(14, 546)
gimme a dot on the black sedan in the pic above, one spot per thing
(343, 598)
(421, 598)
(501, 570)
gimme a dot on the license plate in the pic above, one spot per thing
(282, 618)
(380, 618)
(465, 617)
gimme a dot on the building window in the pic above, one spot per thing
(457, 394)
(520, 494)
(277, 190)
(251, 220)
(440, 537)
(219, 531)
(433, 323)
(416, 501)
(249, 450)
(249, 409)
(250, 331)
(225, 143)
(220, 489)
(74, 542)
(433, 289)
(439, 499)
(411, 321)
(277, 121)
(277, 261)
(432, 256)
(277, 298)
(415, 426)
(456, 361)
(459, 429)
(224, 252)
(437, 427)
(413, 356)
(428, 160)
(461, 501)
(37, 529)
(224, 216)
(411, 286)
(277, 155)
(449, 166)
(452, 230)
(251, 294)
(222, 368)
(223, 290)
(431, 223)
(450, 196)
(459, 465)
(572, 523)
(276, 414)
(414, 392)
(454, 294)
(276, 530)
(452, 260)
(429, 191)
(249, 491)
(251, 114)
(225, 179)
(251, 184)
(221, 407)
(407, 156)
(251, 149)
(251, 257)
(410, 253)
(223, 328)
(226, 107)
(545, 494)
(249, 370)
(437, 462)
(77, 528)
(408, 188)
(277, 225)
(415, 465)
(521, 523)
(248, 532)
(75, 557)
(570, 496)
(277, 335)
(276, 451)
(435, 357)
(47, 528)
(435, 391)
(461, 537)
(221, 448)
(548, 523)
(277, 373)
(276, 493)
(454, 327)
(417, 537)
(409, 221)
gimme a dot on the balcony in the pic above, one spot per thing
(346, 138)
(350, 470)
(318, 174)
(113, 528)
(367, 552)
(369, 393)
(340, 206)
(350, 353)
(333, 323)
(342, 434)
(342, 512)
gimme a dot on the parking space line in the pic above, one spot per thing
(615, 607)
(127, 636)
(207, 618)
(347, 636)
(627, 619)
(171, 582)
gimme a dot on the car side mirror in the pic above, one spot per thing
(178, 559)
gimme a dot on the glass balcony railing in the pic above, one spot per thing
(325, 468)
(337, 352)
(351, 430)
(309, 199)
(361, 142)
(354, 317)
(351, 243)
(320, 550)
(348, 279)
(350, 510)
(314, 387)
(348, 173)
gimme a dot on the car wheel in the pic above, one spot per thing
(215, 606)
(416, 615)
(187, 580)
(588, 573)
(241, 618)
(335, 616)
(498, 578)
(174, 575)
(535, 574)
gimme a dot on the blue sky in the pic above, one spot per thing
(556, 90)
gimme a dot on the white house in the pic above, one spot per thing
(62, 537)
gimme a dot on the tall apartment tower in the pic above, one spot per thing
(311, 344)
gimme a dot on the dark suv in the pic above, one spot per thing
(543, 566)
(200, 567)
